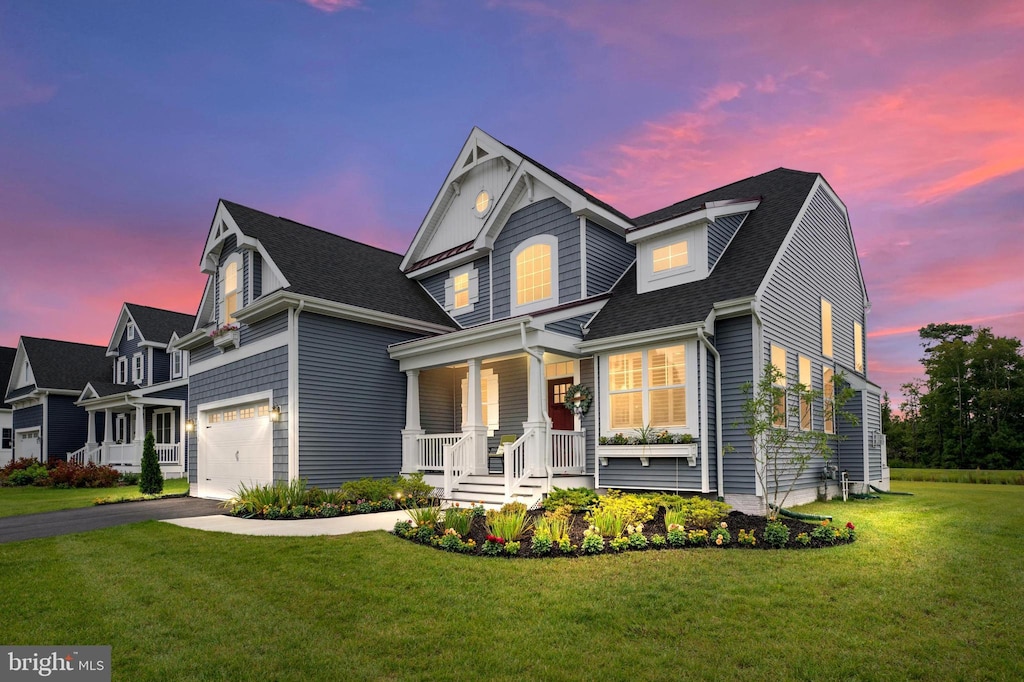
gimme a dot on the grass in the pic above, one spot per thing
(30, 500)
(1001, 477)
(930, 590)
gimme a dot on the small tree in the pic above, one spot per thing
(781, 453)
(151, 482)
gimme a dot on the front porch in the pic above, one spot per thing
(127, 457)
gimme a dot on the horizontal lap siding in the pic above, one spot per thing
(257, 275)
(127, 348)
(203, 353)
(663, 473)
(263, 372)
(873, 419)
(21, 391)
(549, 216)
(512, 397)
(27, 417)
(851, 439)
(437, 401)
(179, 393)
(733, 340)
(67, 426)
(588, 378)
(608, 256)
(161, 366)
(720, 233)
(274, 324)
(351, 401)
(435, 286)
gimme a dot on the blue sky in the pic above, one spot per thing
(122, 123)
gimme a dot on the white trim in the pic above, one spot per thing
(549, 301)
(138, 369)
(149, 368)
(583, 257)
(472, 289)
(121, 375)
(174, 432)
(239, 291)
(29, 429)
(293, 394)
(44, 450)
(247, 351)
(641, 338)
(711, 212)
(703, 379)
(200, 419)
(129, 330)
(695, 269)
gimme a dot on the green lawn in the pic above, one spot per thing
(931, 590)
(996, 476)
(30, 499)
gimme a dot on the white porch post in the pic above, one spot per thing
(536, 397)
(412, 421)
(108, 435)
(90, 440)
(140, 423)
(474, 418)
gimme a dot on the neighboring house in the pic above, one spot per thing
(289, 374)
(47, 378)
(145, 388)
(519, 285)
(6, 417)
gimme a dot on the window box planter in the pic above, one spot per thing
(686, 451)
(226, 340)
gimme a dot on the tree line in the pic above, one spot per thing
(968, 411)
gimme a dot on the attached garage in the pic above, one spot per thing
(28, 443)
(235, 445)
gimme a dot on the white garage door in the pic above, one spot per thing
(28, 444)
(235, 446)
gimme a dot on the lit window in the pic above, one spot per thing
(666, 379)
(826, 328)
(460, 286)
(533, 274)
(559, 369)
(247, 413)
(671, 256)
(828, 394)
(482, 203)
(625, 388)
(779, 386)
(858, 347)
(805, 402)
(230, 292)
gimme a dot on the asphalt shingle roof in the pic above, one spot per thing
(6, 366)
(739, 272)
(328, 266)
(108, 388)
(157, 325)
(65, 365)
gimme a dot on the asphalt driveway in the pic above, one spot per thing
(66, 521)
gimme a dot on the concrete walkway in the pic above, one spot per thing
(341, 525)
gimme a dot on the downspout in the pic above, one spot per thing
(293, 393)
(718, 409)
(758, 371)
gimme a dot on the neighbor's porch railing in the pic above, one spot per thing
(85, 454)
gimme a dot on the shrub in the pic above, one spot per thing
(746, 538)
(424, 533)
(593, 542)
(493, 545)
(619, 544)
(413, 487)
(130, 478)
(776, 534)
(35, 474)
(566, 546)
(19, 464)
(151, 482)
(328, 510)
(541, 543)
(403, 528)
(478, 511)
(630, 508)
(804, 539)
(676, 536)
(577, 499)
(697, 537)
(637, 540)
(368, 489)
(824, 533)
(657, 541)
(91, 475)
(512, 548)
(720, 536)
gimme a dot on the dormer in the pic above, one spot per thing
(685, 248)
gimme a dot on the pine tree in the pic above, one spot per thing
(151, 482)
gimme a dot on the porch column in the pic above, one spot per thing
(412, 421)
(475, 419)
(108, 436)
(535, 419)
(90, 440)
(140, 423)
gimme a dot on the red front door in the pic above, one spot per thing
(561, 417)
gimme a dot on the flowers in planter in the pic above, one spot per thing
(222, 330)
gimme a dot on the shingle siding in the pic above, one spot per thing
(662, 473)
(720, 233)
(733, 339)
(851, 439)
(262, 372)
(351, 401)
(608, 256)
(873, 421)
(588, 378)
(550, 217)
(66, 425)
(203, 353)
(274, 324)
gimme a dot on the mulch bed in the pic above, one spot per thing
(734, 522)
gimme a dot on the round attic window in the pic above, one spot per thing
(483, 202)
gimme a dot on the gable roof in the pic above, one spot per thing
(331, 267)
(6, 367)
(63, 365)
(158, 325)
(739, 271)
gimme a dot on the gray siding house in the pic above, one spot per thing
(46, 379)
(318, 357)
(6, 414)
(144, 389)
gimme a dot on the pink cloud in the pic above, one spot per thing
(331, 6)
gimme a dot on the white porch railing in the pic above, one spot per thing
(85, 454)
(458, 462)
(126, 454)
(568, 452)
(520, 459)
(430, 449)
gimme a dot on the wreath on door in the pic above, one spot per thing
(578, 399)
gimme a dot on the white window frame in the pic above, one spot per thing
(7, 434)
(858, 347)
(236, 259)
(540, 304)
(129, 331)
(169, 413)
(121, 371)
(474, 289)
(138, 369)
(692, 389)
(696, 265)
(490, 409)
(177, 368)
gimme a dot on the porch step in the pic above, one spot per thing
(491, 491)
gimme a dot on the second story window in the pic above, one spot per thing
(121, 371)
(858, 347)
(535, 274)
(460, 286)
(671, 256)
(826, 328)
(231, 291)
(137, 369)
(130, 331)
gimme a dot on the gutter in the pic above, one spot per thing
(718, 408)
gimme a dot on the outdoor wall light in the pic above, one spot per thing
(190, 425)
(275, 413)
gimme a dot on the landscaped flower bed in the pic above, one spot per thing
(612, 523)
(292, 500)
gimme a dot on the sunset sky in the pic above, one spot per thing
(121, 124)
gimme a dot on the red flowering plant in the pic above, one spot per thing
(493, 545)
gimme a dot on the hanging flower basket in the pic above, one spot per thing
(578, 399)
